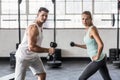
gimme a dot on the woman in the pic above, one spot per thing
(94, 46)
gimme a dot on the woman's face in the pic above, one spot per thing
(86, 20)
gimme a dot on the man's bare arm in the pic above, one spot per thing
(32, 33)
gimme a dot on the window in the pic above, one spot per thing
(9, 13)
(103, 10)
(68, 12)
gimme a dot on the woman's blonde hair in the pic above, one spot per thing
(87, 13)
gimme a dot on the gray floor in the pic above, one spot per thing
(70, 70)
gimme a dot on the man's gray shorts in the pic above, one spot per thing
(35, 65)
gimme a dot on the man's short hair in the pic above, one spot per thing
(43, 9)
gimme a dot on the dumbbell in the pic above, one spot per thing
(51, 57)
(72, 44)
(53, 45)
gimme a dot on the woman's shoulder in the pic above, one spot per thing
(93, 29)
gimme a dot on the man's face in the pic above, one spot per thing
(42, 16)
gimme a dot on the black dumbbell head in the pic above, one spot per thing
(53, 44)
(72, 44)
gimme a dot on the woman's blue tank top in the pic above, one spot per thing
(92, 46)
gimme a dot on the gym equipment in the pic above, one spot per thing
(117, 61)
(51, 57)
(8, 77)
(12, 54)
(19, 27)
(113, 19)
(12, 60)
(72, 44)
(113, 54)
(55, 59)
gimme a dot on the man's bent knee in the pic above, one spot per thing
(41, 74)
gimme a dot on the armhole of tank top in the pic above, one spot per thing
(89, 30)
(38, 28)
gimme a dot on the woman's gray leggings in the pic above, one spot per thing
(92, 67)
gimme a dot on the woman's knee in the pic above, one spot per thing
(82, 78)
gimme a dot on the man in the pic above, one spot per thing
(27, 53)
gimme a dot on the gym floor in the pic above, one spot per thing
(70, 70)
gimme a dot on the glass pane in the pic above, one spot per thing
(36, 4)
(105, 7)
(73, 21)
(23, 21)
(60, 8)
(9, 21)
(73, 7)
(7, 7)
(87, 6)
(102, 21)
(11, 6)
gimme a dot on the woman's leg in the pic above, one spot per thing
(91, 68)
(104, 71)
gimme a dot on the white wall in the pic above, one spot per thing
(9, 38)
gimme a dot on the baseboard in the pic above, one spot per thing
(4, 58)
(63, 58)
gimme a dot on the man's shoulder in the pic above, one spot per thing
(33, 25)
